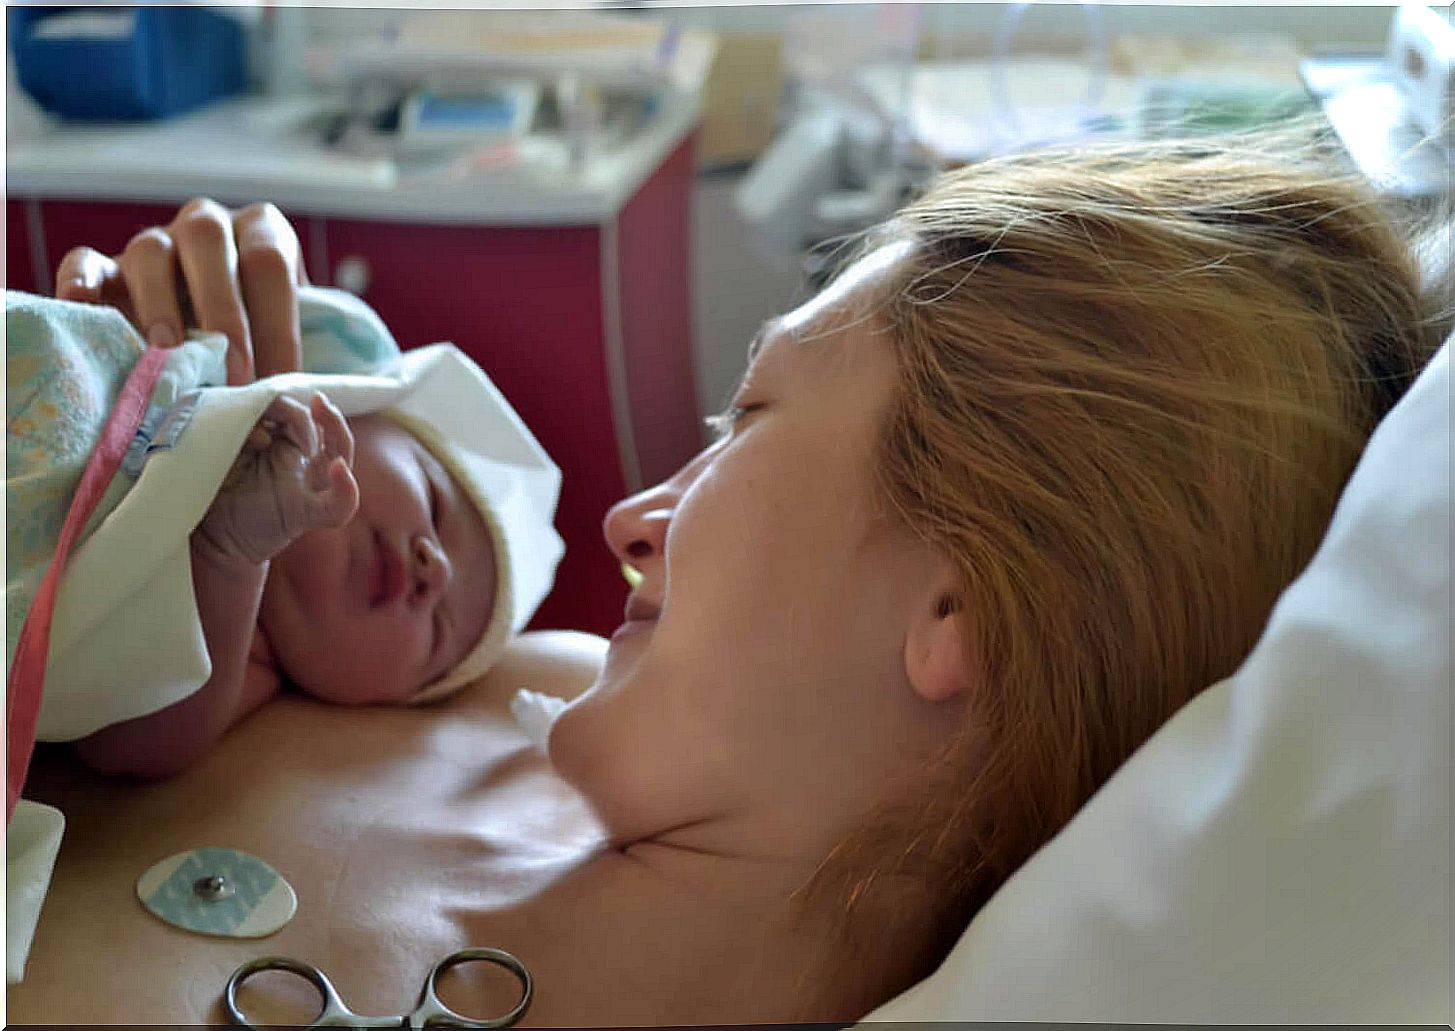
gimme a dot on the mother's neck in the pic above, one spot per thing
(659, 934)
(748, 876)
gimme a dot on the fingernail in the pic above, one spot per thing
(162, 335)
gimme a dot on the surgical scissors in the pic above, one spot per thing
(428, 1012)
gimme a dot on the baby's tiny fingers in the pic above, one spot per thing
(317, 471)
(341, 499)
(259, 437)
(288, 418)
(338, 439)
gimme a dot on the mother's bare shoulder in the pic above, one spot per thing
(563, 663)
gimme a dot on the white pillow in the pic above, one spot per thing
(1280, 850)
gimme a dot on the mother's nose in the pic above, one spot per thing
(636, 527)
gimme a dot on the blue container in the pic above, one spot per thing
(115, 63)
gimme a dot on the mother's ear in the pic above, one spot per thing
(935, 649)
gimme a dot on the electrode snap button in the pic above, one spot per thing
(218, 891)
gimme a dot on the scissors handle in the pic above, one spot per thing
(431, 1012)
(333, 1012)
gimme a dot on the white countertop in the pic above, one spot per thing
(249, 149)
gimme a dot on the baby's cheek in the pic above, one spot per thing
(319, 562)
(402, 644)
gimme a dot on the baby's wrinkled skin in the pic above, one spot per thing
(291, 476)
(324, 531)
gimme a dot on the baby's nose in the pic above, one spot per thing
(432, 570)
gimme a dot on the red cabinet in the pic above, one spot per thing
(585, 329)
(19, 257)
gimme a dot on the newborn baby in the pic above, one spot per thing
(377, 576)
(382, 575)
(370, 531)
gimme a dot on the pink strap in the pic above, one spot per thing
(27, 671)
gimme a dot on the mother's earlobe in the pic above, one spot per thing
(935, 653)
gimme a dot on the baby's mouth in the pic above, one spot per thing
(386, 574)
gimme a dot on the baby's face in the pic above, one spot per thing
(376, 609)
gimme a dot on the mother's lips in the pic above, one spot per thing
(386, 580)
(639, 615)
(640, 610)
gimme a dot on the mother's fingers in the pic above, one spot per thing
(270, 268)
(262, 227)
(233, 272)
(88, 276)
(149, 274)
(202, 237)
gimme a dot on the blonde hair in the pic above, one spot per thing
(1131, 385)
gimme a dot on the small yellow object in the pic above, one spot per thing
(633, 575)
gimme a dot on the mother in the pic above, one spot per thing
(1026, 477)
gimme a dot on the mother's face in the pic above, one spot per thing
(770, 642)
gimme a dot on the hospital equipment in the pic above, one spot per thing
(854, 151)
(1392, 110)
(844, 161)
(578, 83)
(221, 892)
(428, 1012)
(440, 119)
(1421, 59)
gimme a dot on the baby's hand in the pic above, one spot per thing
(293, 475)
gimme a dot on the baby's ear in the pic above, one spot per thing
(936, 657)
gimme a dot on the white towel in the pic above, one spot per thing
(534, 713)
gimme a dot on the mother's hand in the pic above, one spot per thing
(232, 271)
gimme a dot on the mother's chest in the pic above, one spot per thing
(397, 832)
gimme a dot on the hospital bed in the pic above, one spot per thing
(1278, 852)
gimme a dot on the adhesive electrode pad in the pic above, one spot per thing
(218, 891)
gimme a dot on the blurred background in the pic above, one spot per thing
(602, 204)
